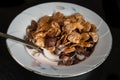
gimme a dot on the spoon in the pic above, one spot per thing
(7, 36)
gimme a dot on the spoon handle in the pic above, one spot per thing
(7, 36)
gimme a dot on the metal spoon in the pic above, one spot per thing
(7, 36)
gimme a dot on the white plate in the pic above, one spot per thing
(19, 53)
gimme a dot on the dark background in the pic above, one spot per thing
(109, 10)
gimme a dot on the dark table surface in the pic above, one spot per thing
(109, 70)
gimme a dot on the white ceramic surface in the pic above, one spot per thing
(20, 54)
